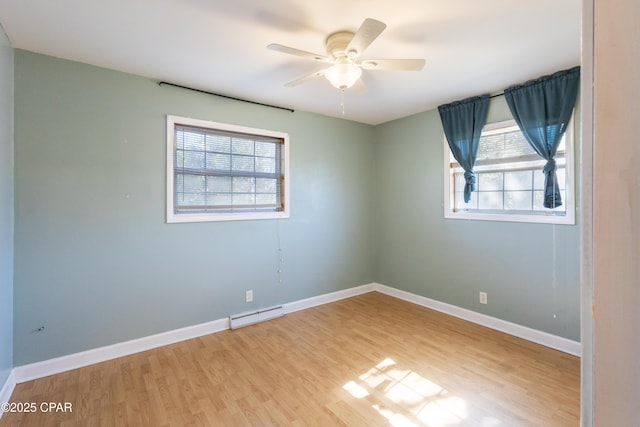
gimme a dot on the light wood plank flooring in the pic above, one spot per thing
(371, 360)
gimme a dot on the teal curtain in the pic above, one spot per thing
(542, 109)
(463, 122)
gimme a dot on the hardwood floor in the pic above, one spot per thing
(371, 360)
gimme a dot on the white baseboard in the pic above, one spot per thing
(78, 360)
(45, 368)
(327, 298)
(60, 364)
(543, 338)
(7, 389)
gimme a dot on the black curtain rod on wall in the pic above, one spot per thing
(496, 95)
(225, 96)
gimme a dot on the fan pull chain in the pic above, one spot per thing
(342, 100)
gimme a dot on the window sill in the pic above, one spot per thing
(186, 218)
(541, 218)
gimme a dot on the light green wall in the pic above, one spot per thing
(6, 207)
(96, 263)
(453, 260)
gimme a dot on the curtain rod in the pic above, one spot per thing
(225, 96)
(496, 95)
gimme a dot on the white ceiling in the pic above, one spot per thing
(471, 47)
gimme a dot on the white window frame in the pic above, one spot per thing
(544, 217)
(173, 217)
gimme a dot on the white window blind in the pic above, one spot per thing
(219, 171)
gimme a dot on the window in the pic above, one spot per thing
(221, 172)
(509, 179)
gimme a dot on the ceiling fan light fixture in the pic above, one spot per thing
(344, 75)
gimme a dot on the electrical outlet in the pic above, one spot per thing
(483, 297)
(248, 296)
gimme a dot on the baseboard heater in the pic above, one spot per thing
(239, 320)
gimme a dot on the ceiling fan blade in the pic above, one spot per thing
(367, 33)
(306, 78)
(359, 88)
(298, 52)
(393, 64)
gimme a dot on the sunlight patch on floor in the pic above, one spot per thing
(406, 398)
(356, 391)
(490, 422)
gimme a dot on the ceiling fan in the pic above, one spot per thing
(343, 52)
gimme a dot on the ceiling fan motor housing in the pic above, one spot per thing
(337, 45)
